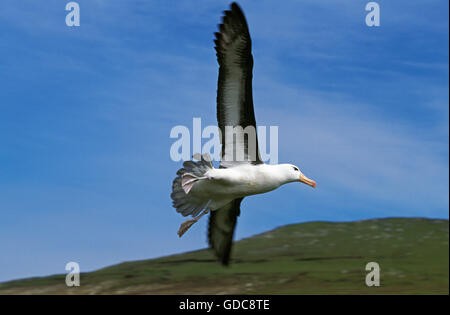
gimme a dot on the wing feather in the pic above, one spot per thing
(222, 223)
(234, 92)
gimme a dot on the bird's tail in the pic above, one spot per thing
(186, 203)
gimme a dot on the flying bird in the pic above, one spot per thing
(199, 187)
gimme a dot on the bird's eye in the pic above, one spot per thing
(295, 169)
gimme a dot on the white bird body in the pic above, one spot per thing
(223, 185)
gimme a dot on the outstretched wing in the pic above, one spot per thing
(221, 229)
(234, 92)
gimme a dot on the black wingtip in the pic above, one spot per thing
(235, 6)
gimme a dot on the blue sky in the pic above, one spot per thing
(86, 113)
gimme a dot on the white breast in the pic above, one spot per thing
(240, 181)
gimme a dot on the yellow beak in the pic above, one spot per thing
(307, 181)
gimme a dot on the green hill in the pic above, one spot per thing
(311, 258)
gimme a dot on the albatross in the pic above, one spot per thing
(199, 187)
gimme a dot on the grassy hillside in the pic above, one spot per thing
(312, 258)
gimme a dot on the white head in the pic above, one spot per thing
(292, 173)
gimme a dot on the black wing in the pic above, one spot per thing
(222, 223)
(234, 91)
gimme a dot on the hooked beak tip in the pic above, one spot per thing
(308, 181)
